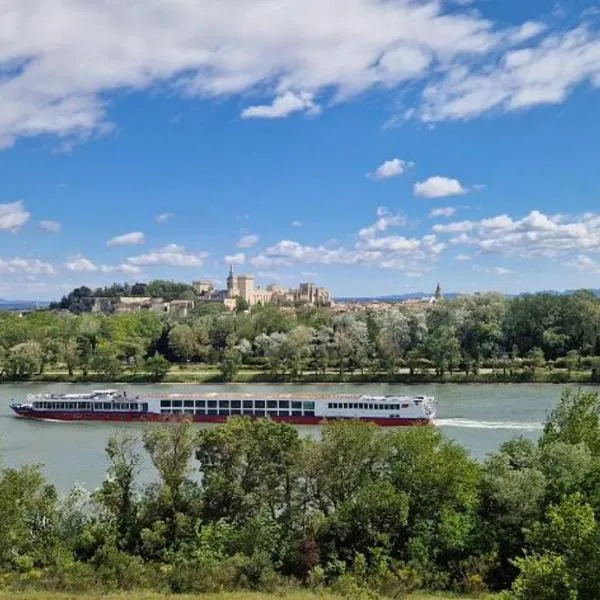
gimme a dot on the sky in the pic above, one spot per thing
(370, 146)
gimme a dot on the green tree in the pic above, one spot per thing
(231, 364)
(158, 366)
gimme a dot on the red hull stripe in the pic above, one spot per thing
(153, 417)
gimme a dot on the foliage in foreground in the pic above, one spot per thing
(362, 512)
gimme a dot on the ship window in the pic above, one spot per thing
(211, 411)
(309, 413)
(284, 413)
(176, 403)
(259, 413)
(297, 405)
(248, 404)
(405, 406)
(200, 404)
(224, 412)
(309, 406)
(271, 403)
(345, 405)
(285, 404)
(236, 411)
(224, 404)
(259, 404)
(176, 411)
(164, 411)
(189, 411)
(296, 413)
(330, 405)
(165, 404)
(200, 411)
(188, 403)
(236, 404)
(212, 404)
(97, 406)
(107, 406)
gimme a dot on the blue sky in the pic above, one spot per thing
(370, 146)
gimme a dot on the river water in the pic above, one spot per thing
(480, 417)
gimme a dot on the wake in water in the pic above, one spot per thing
(471, 424)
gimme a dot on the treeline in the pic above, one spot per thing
(81, 299)
(250, 504)
(511, 337)
(516, 335)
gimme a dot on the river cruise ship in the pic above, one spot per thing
(297, 408)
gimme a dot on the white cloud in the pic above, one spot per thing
(463, 257)
(291, 53)
(283, 106)
(29, 266)
(297, 223)
(522, 78)
(13, 215)
(50, 226)
(439, 187)
(585, 263)
(80, 263)
(164, 217)
(122, 268)
(446, 211)
(407, 254)
(127, 239)
(536, 234)
(498, 271)
(384, 222)
(458, 227)
(172, 255)
(236, 259)
(390, 168)
(247, 241)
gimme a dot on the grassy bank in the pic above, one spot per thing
(199, 375)
(12, 595)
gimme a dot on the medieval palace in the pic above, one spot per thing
(244, 287)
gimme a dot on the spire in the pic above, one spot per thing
(231, 270)
(438, 291)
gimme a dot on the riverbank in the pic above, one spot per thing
(203, 375)
(297, 595)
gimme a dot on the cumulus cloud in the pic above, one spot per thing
(463, 257)
(13, 215)
(236, 259)
(390, 168)
(498, 271)
(445, 211)
(83, 264)
(297, 223)
(164, 217)
(127, 239)
(283, 106)
(291, 54)
(247, 241)
(80, 263)
(536, 234)
(439, 187)
(384, 222)
(29, 266)
(371, 249)
(50, 226)
(172, 255)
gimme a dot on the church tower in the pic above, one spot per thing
(438, 292)
(232, 290)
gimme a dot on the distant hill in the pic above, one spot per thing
(390, 298)
(22, 304)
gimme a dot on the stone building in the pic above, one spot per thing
(244, 286)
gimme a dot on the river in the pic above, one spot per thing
(480, 417)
